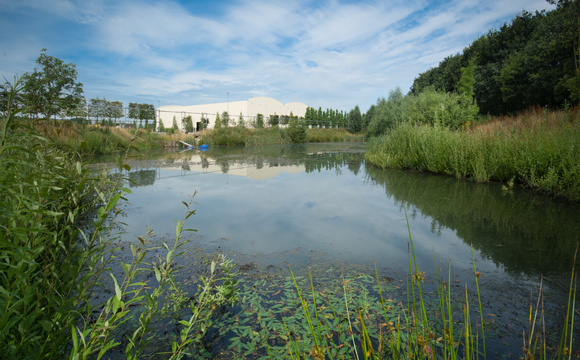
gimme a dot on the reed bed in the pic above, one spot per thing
(537, 149)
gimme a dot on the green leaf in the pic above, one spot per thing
(75, 340)
(79, 167)
(126, 167)
(133, 250)
(117, 288)
(178, 228)
(126, 268)
(112, 202)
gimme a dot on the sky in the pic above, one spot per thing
(324, 53)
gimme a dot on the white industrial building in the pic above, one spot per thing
(248, 110)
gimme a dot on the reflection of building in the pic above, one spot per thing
(249, 110)
(240, 168)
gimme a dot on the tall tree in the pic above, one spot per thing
(52, 86)
(355, 120)
(115, 110)
(98, 109)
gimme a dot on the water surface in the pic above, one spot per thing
(321, 204)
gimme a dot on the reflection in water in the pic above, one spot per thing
(524, 234)
(271, 201)
(142, 177)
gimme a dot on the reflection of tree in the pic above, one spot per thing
(523, 233)
(185, 165)
(224, 165)
(336, 160)
(142, 177)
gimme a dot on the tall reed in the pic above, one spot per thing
(537, 149)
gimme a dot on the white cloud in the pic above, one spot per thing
(329, 54)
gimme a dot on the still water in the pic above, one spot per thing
(320, 204)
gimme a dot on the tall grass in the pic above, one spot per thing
(272, 135)
(537, 149)
(331, 135)
(57, 243)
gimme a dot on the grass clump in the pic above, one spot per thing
(538, 149)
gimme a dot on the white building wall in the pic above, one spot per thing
(249, 109)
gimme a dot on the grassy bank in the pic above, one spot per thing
(537, 149)
(274, 135)
(106, 140)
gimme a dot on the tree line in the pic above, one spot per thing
(52, 91)
(534, 60)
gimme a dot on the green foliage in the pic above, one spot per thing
(428, 107)
(175, 127)
(259, 121)
(241, 121)
(296, 131)
(161, 126)
(542, 154)
(325, 119)
(467, 81)
(225, 119)
(274, 120)
(142, 112)
(218, 121)
(529, 62)
(55, 252)
(355, 121)
(46, 193)
(52, 87)
(446, 109)
(386, 114)
(188, 124)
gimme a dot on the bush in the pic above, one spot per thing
(296, 131)
(431, 107)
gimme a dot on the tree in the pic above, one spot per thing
(225, 119)
(114, 110)
(142, 112)
(259, 121)
(218, 121)
(188, 124)
(467, 81)
(175, 128)
(355, 120)
(52, 86)
(274, 120)
(97, 109)
(241, 121)
(296, 131)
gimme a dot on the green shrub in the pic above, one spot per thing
(296, 131)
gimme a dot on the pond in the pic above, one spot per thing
(321, 206)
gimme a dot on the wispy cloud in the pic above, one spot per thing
(331, 53)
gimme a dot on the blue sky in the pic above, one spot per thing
(328, 53)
